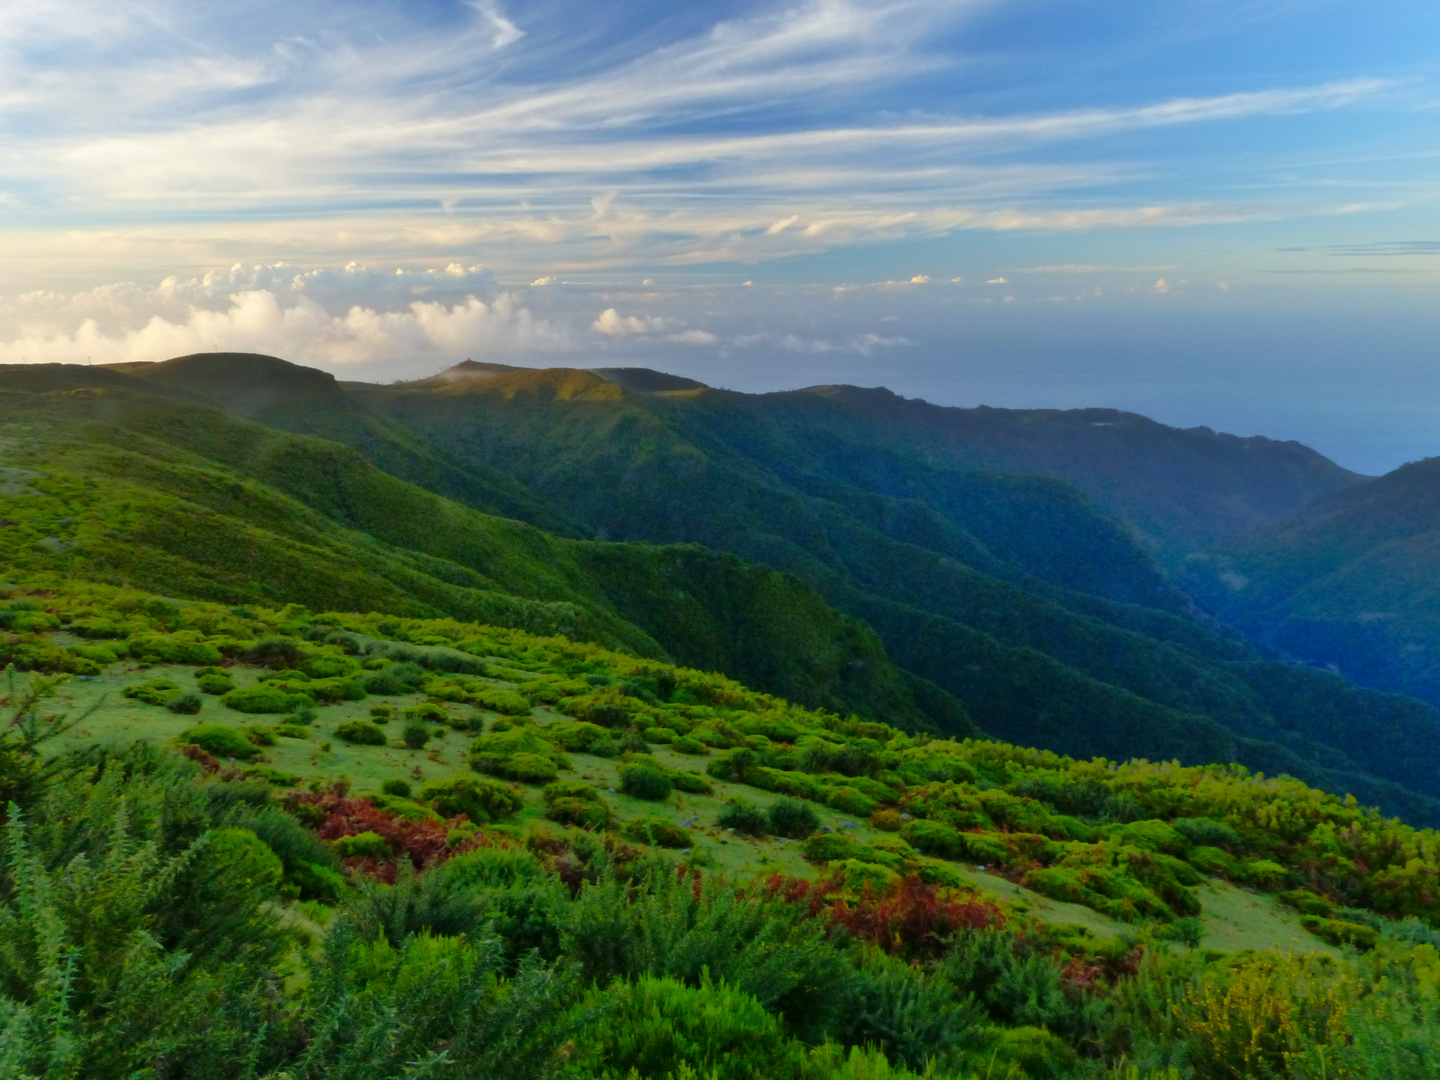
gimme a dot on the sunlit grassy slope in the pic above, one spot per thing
(1085, 845)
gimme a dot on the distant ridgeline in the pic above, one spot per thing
(961, 571)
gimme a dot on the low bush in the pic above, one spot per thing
(657, 831)
(219, 741)
(186, 704)
(933, 838)
(658, 735)
(263, 698)
(792, 818)
(365, 845)
(850, 800)
(527, 768)
(292, 731)
(688, 744)
(582, 813)
(259, 734)
(155, 692)
(744, 817)
(478, 799)
(887, 820)
(415, 734)
(830, 847)
(273, 776)
(428, 712)
(689, 782)
(382, 714)
(1340, 932)
(215, 684)
(507, 702)
(361, 733)
(645, 781)
(400, 788)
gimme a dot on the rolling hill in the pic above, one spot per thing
(914, 588)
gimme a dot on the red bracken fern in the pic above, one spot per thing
(427, 843)
(912, 919)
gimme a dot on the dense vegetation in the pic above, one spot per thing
(561, 861)
(111, 485)
(971, 599)
(1350, 582)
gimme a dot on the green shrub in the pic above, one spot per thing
(478, 799)
(744, 817)
(645, 781)
(657, 831)
(859, 873)
(503, 701)
(303, 713)
(98, 654)
(155, 692)
(215, 684)
(1211, 860)
(292, 731)
(850, 800)
(494, 753)
(186, 704)
(1262, 873)
(399, 788)
(223, 742)
(259, 734)
(932, 837)
(427, 712)
(659, 735)
(887, 820)
(688, 744)
(582, 813)
(415, 734)
(1339, 932)
(272, 776)
(382, 714)
(830, 847)
(242, 856)
(527, 768)
(689, 782)
(570, 789)
(361, 732)
(661, 1027)
(185, 647)
(263, 698)
(365, 845)
(580, 736)
(792, 818)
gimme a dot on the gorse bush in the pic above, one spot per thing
(361, 732)
(792, 818)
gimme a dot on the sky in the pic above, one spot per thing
(1217, 212)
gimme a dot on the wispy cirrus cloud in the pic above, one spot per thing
(196, 133)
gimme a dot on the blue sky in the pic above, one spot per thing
(1219, 212)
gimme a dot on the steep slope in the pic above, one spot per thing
(132, 488)
(1353, 581)
(1014, 593)
(1179, 488)
(300, 399)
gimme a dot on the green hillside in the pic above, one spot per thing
(1351, 582)
(1046, 617)
(131, 488)
(1009, 598)
(273, 844)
